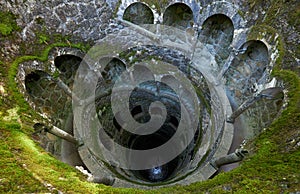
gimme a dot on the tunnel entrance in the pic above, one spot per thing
(217, 35)
(249, 67)
(178, 15)
(67, 65)
(48, 94)
(139, 13)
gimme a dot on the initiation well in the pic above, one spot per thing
(224, 68)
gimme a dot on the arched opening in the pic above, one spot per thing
(43, 92)
(35, 82)
(113, 69)
(139, 13)
(50, 100)
(256, 58)
(248, 67)
(218, 30)
(217, 34)
(67, 65)
(178, 15)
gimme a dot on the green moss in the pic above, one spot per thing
(7, 23)
(242, 14)
(259, 32)
(117, 8)
(5, 29)
(276, 9)
(22, 180)
(42, 166)
(294, 16)
(43, 39)
(289, 117)
(254, 3)
(55, 74)
(26, 168)
(203, 99)
(12, 114)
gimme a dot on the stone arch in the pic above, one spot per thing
(225, 8)
(113, 69)
(217, 29)
(67, 65)
(255, 58)
(139, 13)
(178, 15)
(248, 69)
(45, 94)
(35, 82)
(217, 32)
(257, 50)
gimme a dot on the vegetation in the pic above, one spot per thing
(14, 177)
(283, 16)
(7, 23)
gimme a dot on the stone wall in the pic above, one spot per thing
(87, 20)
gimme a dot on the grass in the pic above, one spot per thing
(42, 167)
(31, 169)
(14, 178)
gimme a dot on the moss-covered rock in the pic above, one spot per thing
(7, 23)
